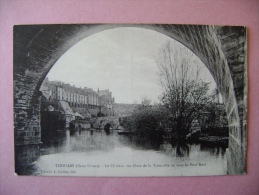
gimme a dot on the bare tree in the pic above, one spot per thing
(185, 93)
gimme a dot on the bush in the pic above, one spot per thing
(148, 122)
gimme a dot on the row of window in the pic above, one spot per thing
(70, 97)
(73, 97)
(76, 105)
(91, 100)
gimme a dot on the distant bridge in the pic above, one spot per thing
(102, 121)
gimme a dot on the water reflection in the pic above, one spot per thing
(216, 150)
(182, 150)
(100, 146)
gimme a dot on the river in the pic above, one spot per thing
(99, 154)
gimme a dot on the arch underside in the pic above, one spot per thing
(222, 50)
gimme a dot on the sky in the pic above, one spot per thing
(122, 60)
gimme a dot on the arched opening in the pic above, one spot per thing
(31, 65)
(125, 61)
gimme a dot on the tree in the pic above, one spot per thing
(185, 93)
(145, 102)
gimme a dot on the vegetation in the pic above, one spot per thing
(185, 93)
(147, 122)
(186, 99)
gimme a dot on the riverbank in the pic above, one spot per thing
(214, 139)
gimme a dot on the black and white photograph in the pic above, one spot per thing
(129, 100)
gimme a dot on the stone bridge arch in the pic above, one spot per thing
(222, 50)
(102, 121)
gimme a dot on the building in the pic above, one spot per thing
(106, 102)
(82, 100)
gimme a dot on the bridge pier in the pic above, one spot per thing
(26, 111)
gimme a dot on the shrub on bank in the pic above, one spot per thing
(147, 122)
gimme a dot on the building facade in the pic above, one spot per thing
(79, 98)
(106, 102)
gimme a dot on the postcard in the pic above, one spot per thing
(129, 100)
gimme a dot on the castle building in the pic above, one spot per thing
(79, 99)
(106, 101)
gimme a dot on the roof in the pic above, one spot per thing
(66, 108)
(79, 115)
(46, 95)
(50, 108)
(105, 92)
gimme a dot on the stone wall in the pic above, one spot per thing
(26, 111)
(233, 41)
(121, 110)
